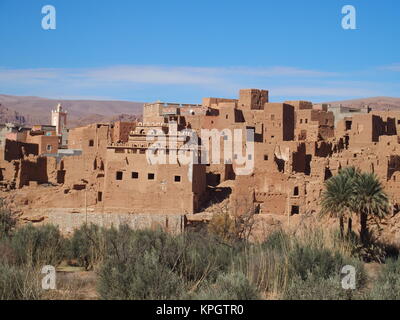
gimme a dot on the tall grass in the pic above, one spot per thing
(152, 264)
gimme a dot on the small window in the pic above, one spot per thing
(177, 178)
(135, 175)
(150, 176)
(119, 175)
(301, 120)
(225, 138)
(226, 117)
(99, 196)
(306, 120)
(91, 143)
(49, 147)
(295, 210)
(272, 117)
(249, 157)
(296, 191)
(265, 157)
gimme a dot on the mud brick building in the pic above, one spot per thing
(298, 145)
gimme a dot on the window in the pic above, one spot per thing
(135, 175)
(226, 116)
(265, 157)
(249, 157)
(301, 120)
(306, 120)
(295, 210)
(99, 196)
(91, 143)
(296, 191)
(150, 176)
(177, 178)
(48, 147)
(272, 117)
(119, 175)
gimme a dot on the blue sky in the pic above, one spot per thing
(181, 51)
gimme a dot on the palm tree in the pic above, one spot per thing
(351, 173)
(336, 199)
(368, 199)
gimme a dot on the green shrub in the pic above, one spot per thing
(228, 286)
(140, 278)
(387, 285)
(320, 262)
(18, 283)
(7, 222)
(203, 257)
(316, 288)
(87, 246)
(38, 246)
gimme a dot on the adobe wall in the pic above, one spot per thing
(46, 144)
(68, 221)
(15, 150)
(91, 139)
(131, 182)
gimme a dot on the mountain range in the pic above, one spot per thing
(27, 110)
(35, 110)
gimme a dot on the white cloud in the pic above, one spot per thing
(395, 67)
(148, 81)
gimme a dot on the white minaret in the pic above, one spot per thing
(59, 119)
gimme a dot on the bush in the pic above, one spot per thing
(87, 246)
(321, 262)
(228, 286)
(7, 222)
(18, 283)
(317, 288)
(203, 257)
(38, 246)
(387, 286)
(141, 278)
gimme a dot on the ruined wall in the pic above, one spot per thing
(131, 182)
(91, 139)
(121, 130)
(15, 150)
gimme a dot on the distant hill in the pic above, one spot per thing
(36, 110)
(375, 103)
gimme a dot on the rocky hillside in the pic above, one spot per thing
(376, 103)
(36, 110)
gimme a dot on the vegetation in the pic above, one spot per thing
(352, 191)
(217, 263)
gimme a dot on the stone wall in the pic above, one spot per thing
(68, 221)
